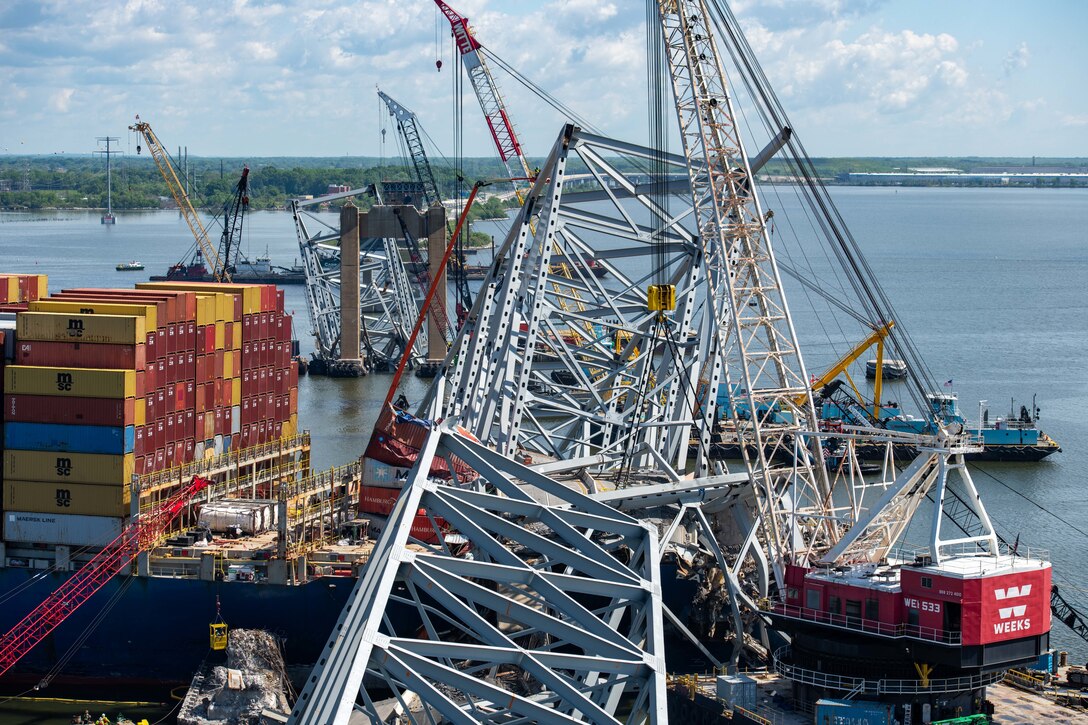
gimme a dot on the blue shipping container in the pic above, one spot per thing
(852, 712)
(69, 438)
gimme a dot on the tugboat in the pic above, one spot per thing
(132, 266)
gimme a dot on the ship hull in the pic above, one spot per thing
(157, 629)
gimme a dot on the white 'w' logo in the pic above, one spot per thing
(1012, 592)
(1006, 612)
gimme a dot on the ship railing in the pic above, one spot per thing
(224, 461)
(885, 686)
(1023, 555)
(867, 626)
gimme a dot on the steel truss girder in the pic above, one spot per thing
(578, 625)
(605, 378)
(387, 303)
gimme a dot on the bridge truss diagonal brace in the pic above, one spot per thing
(567, 630)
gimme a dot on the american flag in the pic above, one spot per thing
(948, 383)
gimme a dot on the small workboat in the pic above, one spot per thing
(132, 266)
(892, 369)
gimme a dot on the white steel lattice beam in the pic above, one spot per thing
(550, 614)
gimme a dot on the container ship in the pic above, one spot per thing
(113, 398)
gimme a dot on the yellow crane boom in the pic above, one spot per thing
(876, 338)
(162, 160)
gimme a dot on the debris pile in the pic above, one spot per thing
(252, 681)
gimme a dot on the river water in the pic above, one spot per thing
(991, 283)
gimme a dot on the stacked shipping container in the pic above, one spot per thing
(17, 290)
(107, 383)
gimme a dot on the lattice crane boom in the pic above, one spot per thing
(185, 206)
(487, 92)
(409, 128)
(747, 297)
(140, 535)
(230, 242)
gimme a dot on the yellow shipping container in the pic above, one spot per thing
(290, 427)
(53, 467)
(148, 312)
(13, 287)
(236, 391)
(69, 382)
(205, 310)
(251, 294)
(66, 498)
(236, 342)
(228, 364)
(139, 411)
(220, 335)
(62, 327)
(43, 285)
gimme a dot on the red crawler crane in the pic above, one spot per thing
(138, 536)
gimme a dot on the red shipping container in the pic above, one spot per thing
(247, 328)
(292, 402)
(150, 406)
(262, 432)
(190, 423)
(247, 411)
(140, 442)
(170, 450)
(218, 357)
(278, 380)
(151, 352)
(171, 338)
(171, 429)
(190, 449)
(228, 335)
(262, 381)
(160, 404)
(279, 299)
(219, 422)
(201, 368)
(278, 433)
(294, 375)
(190, 335)
(247, 436)
(200, 402)
(161, 347)
(190, 395)
(69, 411)
(141, 383)
(160, 432)
(228, 420)
(81, 355)
(188, 368)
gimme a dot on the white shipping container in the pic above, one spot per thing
(252, 517)
(236, 420)
(376, 473)
(67, 529)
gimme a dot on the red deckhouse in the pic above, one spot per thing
(968, 611)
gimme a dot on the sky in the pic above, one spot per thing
(252, 78)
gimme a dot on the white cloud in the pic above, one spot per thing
(1017, 59)
(61, 100)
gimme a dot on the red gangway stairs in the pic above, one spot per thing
(140, 535)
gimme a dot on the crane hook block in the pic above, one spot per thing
(438, 65)
(661, 297)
